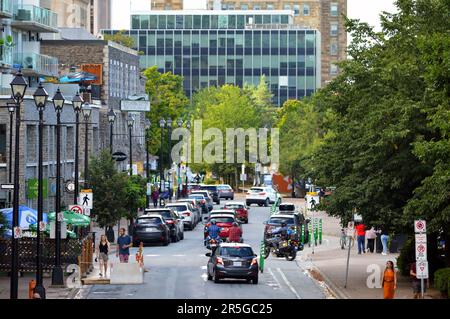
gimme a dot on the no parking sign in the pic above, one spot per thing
(77, 209)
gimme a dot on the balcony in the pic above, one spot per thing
(6, 8)
(6, 58)
(37, 19)
(34, 64)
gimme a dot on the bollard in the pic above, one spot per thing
(320, 231)
(309, 234)
(261, 256)
(31, 286)
(303, 234)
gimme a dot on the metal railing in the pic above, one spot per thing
(277, 26)
(36, 14)
(6, 56)
(41, 64)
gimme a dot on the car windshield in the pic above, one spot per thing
(287, 207)
(196, 196)
(234, 206)
(178, 208)
(256, 190)
(210, 188)
(166, 215)
(279, 220)
(236, 252)
(149, 220)
(223, 219)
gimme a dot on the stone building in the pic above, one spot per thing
(323, 15)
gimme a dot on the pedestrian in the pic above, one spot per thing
(416, 282)
(360, 230)
(384, 239)
(102, 254)
(389, 281)
(235, 233)
(371, 235)
(155, 196)
(124, 243)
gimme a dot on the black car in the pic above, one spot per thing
(293, 221)
(214, 190)
(233, 260)
(172, 219)
(151, 228)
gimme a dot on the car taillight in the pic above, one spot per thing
(219, 261)
(169, 221)
(186, 214)
(262, 194)
(202, 201)
(254, 261)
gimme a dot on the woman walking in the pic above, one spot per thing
(155, 196)
(389, 281)
(102, 254)
(384, 239)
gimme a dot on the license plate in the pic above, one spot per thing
(283, 244)
(150, 230)
(237, 263)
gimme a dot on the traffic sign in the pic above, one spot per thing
(421, 251)
(7, 186)
(70, 187)
(422, 269)
(420, 226)
(119, 156)
(86, 198)
(77, 209)
(421, 238)
(17, 232)
(243, 177)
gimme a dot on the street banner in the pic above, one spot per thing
(422, 270)
(420, 226)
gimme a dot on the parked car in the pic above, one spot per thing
(192, 187)
(208, 198)
(233, 260)
(214, 190)
(224, 221)
(241, 210)
(262, 196)
(202, 200)
(196, 208)
(287, 208)
(225, 191)
(151, 228)
(185, 210)
(172, 219)
(222, 211)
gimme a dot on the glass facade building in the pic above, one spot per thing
(210, 48)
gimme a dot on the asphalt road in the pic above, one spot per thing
(178, 271)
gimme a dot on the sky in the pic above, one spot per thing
(365, 10)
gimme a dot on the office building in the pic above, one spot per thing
(71, 13)
(100, 15)
(212, 48)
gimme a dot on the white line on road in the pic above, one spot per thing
(152, 255)
(100, 292)
(203, 267)
(278, 283)
(204, 276)
(288, 283)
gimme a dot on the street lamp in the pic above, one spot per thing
(130, 123)
(188, 126)
(11, 109)
(57, 275)
(77, 103)
(40, 99)
(147, 167)
(18, 88)
(169, 155)
(180, 124)
(162, 123)
(111, 120)
(87, 110)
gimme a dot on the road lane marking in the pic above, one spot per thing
(178, 255)
(288, 283)
(203, 267)
(152, 255)
(276, 280)
(204, 276)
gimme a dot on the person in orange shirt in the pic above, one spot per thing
(389, 281)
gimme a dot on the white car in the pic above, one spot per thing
(183, 209)
(262, 196)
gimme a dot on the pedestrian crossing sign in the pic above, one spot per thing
(86, 198)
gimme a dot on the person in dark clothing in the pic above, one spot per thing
(155, 196)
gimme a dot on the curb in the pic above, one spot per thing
(337, 292)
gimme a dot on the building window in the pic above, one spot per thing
(244, 6)
(287, 7)
(334, 9)
(256, 7)
(333, 69)
(306, 10)
(334, 49)
(334, 30)
(269, 6)
(296, 10)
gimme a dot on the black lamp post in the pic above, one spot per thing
(11, 109)
(169, 155)
(147, 167)
(40, 99)
(180, 124)
(111, 120)
(86, 114)
(130, 123)
(77, 103)
(188, 126)
(18, 88)
(162, 123)
(57, 275)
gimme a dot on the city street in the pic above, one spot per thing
(179, 271)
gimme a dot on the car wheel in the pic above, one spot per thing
(232, 198)
(215, 278)
(248, 204)
(255, 280)
(167, 241)
(182, 235)
(209, 276)
(267, 202)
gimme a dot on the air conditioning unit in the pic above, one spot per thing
(28, 62)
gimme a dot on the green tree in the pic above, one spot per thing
(135, 191)
(108, 186)
(120, 38)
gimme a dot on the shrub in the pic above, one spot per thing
(406, 257)
(442, 279)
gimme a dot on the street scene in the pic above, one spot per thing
(224, 150)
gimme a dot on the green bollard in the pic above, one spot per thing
(303, 234)
(261, 256)
(320, 231)
(309, 234)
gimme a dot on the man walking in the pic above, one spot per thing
(360, 230)
(155, 196)
(124, 243)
